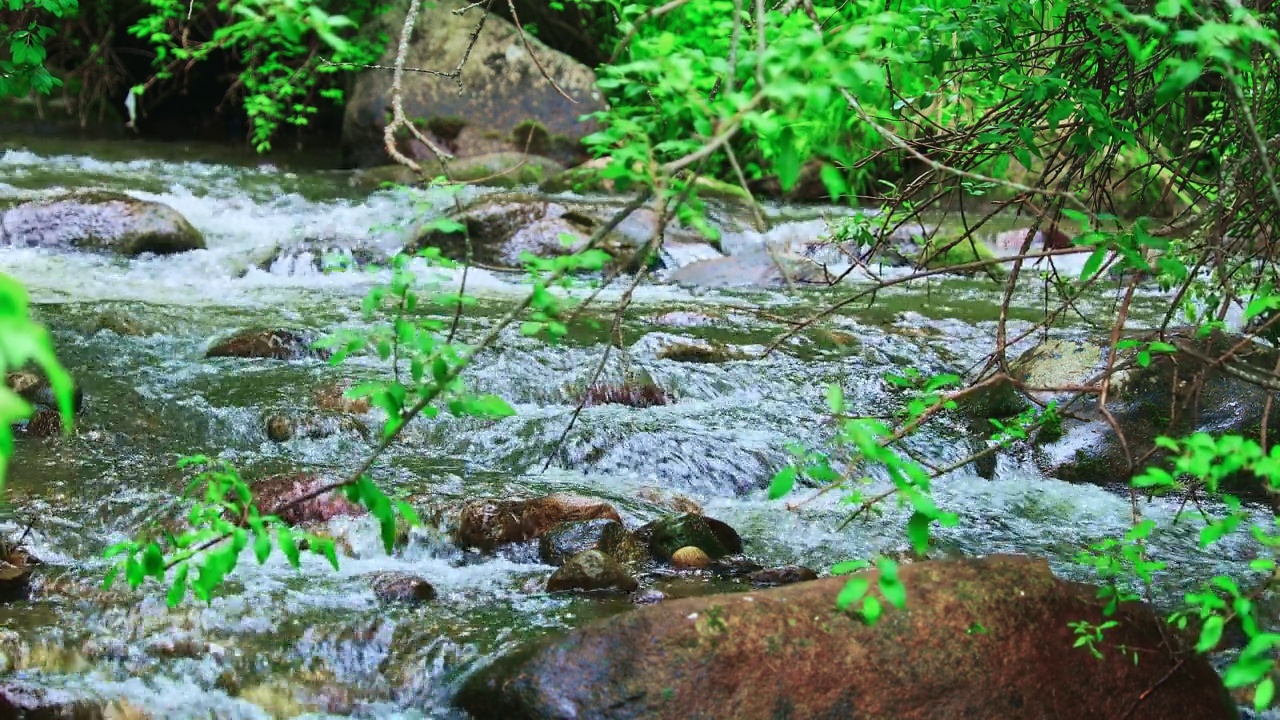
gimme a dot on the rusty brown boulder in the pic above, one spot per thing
(487, 524)
(979, 638)
(281, 495)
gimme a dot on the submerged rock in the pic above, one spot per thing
(503, 227)
(591, 570)
(488, 524)
(631, 394)
(785, 575)
(266, 344)
(15, 575)
(333, 398)
(274, 492)
(20, 700)
(711, 353)
(283, 428)
(752, 269)
(669, 534)
(395, 587)
(988, 638)
(99, 221)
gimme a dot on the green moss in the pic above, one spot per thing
(1050, 430)
(445, 127)
(583, 179)
(944, 251)
(531, 136)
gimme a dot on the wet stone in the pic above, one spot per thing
(671, 533)
(785, 575)
(591, 570)
(394, 587)
(266, 344)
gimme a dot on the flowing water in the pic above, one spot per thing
(283, 643)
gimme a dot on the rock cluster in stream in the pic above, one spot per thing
(594, 550)
(1176, 394)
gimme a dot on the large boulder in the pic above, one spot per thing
(99, 221)
(505, 102)
(1177, 394)
(984, 638)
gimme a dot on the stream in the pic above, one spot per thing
(280, 642)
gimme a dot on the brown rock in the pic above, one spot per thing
(333, 398)
(984, 638)
(487, 524)
(274, 492)
(785, 575)
(266, 344)
(690, 557)
(394, 587)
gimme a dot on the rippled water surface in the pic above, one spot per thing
(282, 643)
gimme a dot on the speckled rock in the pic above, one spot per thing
(99, 221)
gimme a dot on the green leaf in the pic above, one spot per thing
(1186, 73)
(287, 545)
(1094, 262)
(782, 482)
(918, 532)
(1246, 671)
(894, 591)
(408, 513)
(787, 162)
(1210, 633)
(1264, 694)
(835, 398)
(153, 560)
(261, 545)
(849, 566)
(872, 609)
(852, 592)
(178, 589)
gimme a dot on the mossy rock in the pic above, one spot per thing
(947, 251)
(671, 533)
(591, 570)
